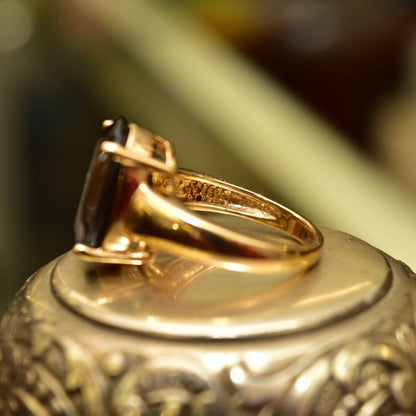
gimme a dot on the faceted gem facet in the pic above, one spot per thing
(93, 216)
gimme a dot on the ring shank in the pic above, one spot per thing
(174, 228)
(199, 191)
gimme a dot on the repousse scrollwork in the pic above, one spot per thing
(368, 377)
(47, 372)
(164, 385)
(43, 373)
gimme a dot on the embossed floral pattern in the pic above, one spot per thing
(46, 373)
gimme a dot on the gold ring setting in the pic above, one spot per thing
(136, 202)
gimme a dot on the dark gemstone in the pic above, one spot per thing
(94, 211)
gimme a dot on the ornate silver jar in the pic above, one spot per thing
(177, 336)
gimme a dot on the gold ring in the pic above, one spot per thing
(136, 202)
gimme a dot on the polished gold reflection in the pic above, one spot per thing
(175, 275)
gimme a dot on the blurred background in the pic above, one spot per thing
(310, 102)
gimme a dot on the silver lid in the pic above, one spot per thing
(178, 298)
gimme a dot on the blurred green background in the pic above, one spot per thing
(309, 102)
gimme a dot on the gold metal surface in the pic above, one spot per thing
(152, 216)
(176, 297)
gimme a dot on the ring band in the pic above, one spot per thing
(136, 202)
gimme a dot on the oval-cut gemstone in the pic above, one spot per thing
(95, 208)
